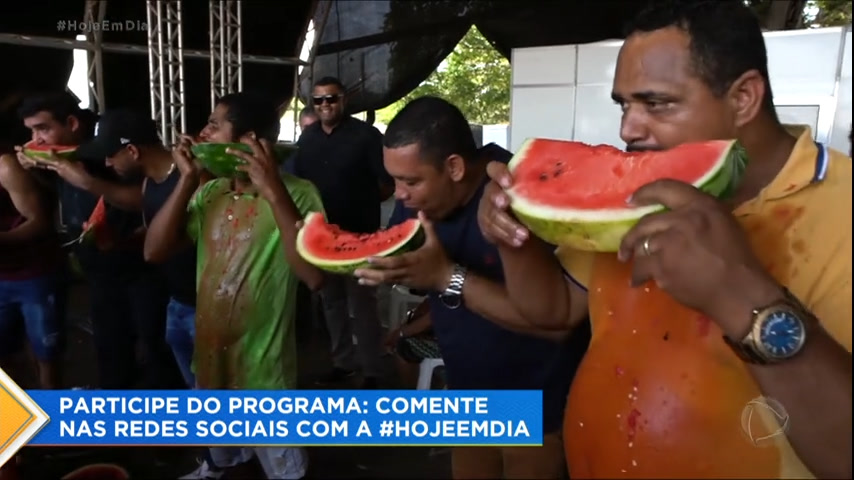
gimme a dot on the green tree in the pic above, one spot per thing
(831, 13)
(474, 77)
(795, 14)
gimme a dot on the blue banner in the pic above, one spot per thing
(290, 417)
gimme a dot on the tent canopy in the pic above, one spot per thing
(380, 49)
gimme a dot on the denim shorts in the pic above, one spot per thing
(33, 304)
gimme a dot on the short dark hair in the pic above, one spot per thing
(438, 127)
(307, 112)
(249, 112)
(60, 105)
(725, 35)
(326, 81)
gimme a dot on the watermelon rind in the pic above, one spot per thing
(412, 241)
(42, 152)
(602, 230)
(214, 158)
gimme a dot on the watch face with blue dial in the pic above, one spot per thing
(782, 334)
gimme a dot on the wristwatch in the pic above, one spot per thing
(452, 297)
(778, 333)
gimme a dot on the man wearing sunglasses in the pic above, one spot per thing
(343, 157)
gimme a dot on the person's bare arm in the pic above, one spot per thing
(815, 386)
(538, 287)
(167, 232)
(494, 302)
(125, 197)
(536, 284)
(29, 201)
(287, 215)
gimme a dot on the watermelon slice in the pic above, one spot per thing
(213, 157)
(98, 471)
(573, 194)
(41, 153)
(96, 228)
(329, 248)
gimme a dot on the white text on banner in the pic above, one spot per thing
(290, 417)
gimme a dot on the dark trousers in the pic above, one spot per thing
(129, 318)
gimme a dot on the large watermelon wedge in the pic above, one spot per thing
(573, 194)
(41, 153)
(214, 158)
(98, 471)
(329, 248)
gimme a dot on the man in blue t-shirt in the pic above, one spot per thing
(439, 175)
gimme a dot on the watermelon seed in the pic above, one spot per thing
(544, 177)
(557, 172)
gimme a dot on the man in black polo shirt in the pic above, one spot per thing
(343, 157)
(485, 342)
(127, 304)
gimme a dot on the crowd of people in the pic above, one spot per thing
(197, 284)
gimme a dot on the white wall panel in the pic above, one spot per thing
(842, 121)
(803, 62)
(543, 65)
(810, 86)
(603, 124)
(598, 61)
(544, 112)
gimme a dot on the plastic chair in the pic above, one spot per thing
(400, 302)
(425, 372)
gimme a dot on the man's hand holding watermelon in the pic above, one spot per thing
(695, 250)
(70, 171)
(261, 167)
(427, 268)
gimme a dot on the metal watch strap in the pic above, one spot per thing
(454, 290)
(455, 284)
(745, 348)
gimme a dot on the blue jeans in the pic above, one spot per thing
(180, 335)
(34, 299)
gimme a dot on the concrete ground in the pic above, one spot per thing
(171, 463)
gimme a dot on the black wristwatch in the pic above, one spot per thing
(778, 332)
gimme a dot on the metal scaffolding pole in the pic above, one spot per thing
(95, 12)
(226, 48)
(315, 26)
(67, 44)
(166, 67)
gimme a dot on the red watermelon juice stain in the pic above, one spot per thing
(704, 325)
(632, 423)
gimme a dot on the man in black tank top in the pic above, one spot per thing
(129, 142)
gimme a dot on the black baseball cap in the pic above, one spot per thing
(117, 129)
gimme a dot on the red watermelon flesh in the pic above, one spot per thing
(330, 248)
(42, 151)
(574, 194)
(96, 228)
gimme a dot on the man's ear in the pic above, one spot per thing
(73, 123)
(747, 96)
(134, 151)
(456, 167)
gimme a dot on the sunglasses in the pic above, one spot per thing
(330, 99)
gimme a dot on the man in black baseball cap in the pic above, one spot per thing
(128, 142)
(118, 129)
